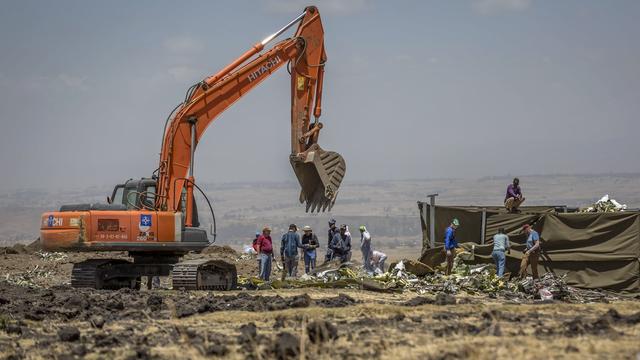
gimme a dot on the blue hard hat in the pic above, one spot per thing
(258, 233)
(332, 222)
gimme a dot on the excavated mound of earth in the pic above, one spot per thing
(48, 319)
(21, 248)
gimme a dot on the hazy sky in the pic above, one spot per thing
(413, 89)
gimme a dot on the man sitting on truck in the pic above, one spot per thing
(514, 198)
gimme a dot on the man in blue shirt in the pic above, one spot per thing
(365, 247)
(532, 253)
(450, 244)
(500, 245)
(333, 230)
(289, 250)
(341, 244)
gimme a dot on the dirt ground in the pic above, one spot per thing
(49, 319)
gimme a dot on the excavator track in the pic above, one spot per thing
(204, 274)
(86, 274)
(94, 274)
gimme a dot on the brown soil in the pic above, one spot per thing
(53, 320)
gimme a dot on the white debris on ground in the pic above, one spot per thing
(475, 280)
(51, 256)
(28, 278)
(248, 253)
(606, 204)
(248, 249)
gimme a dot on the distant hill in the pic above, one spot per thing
(388, 208)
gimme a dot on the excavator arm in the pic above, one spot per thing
(319, 172)
(153, 232)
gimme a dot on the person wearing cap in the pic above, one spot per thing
(255, 247)
(310, 240)
(341, 244)
(450, 244)
(289, 250)
(333, 230)
(365, 247)
(264, 247)
(532, 253)
(348, 233)
(500, 245)
(513, 199)
(377, 261)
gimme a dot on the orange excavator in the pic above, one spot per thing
(155, 219)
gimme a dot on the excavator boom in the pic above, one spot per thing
(319, 172)
(155, 219)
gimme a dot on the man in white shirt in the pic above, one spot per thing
(365, 247)
(377, 260)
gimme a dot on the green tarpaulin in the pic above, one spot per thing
(595, 250)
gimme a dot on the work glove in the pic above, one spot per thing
(448, 252)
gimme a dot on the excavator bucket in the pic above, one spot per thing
(320, 174)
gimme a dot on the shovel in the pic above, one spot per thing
(320, 174)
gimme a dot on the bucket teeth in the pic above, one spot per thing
(320, 174)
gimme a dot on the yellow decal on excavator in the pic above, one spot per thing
(301, 80)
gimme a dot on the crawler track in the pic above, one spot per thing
(86, 274)
(95, 274)
(204, 275)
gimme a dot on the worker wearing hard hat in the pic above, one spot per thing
(450, 244)
(365, 247)
(311, 243)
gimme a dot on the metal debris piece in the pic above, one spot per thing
(28, 278)
(605, 204)
(478, 279)
(51, 256)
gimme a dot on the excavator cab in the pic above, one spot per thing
(135, 194)
(319, 174)
(140, 195)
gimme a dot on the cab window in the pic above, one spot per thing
(149, 196)
(118, 196)
(130, 198)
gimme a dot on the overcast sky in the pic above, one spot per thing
(413, 89)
